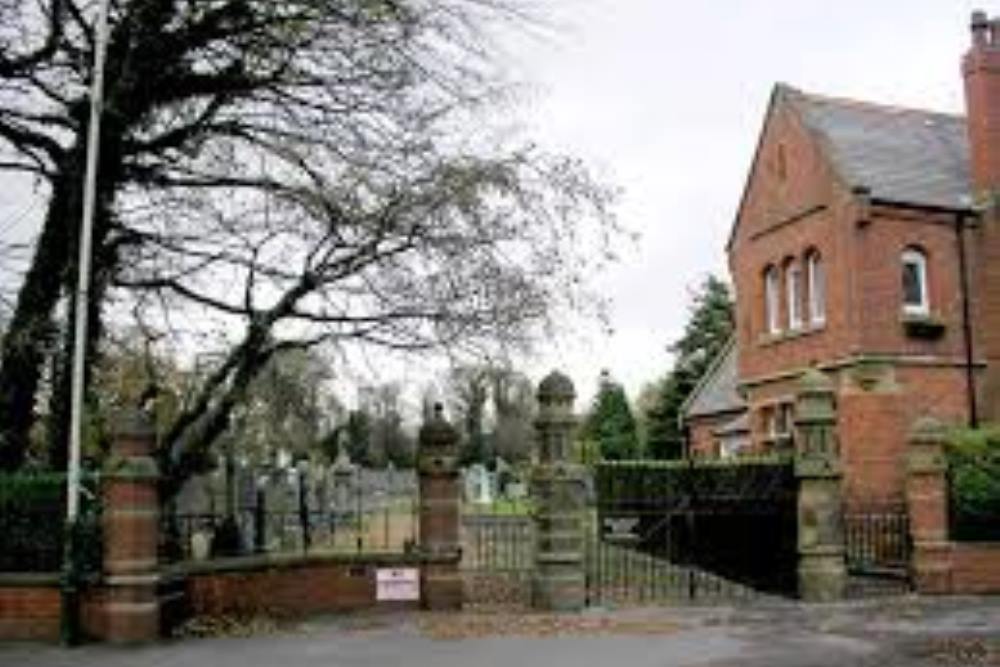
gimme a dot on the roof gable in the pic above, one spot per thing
(716, 392)
(900, 155)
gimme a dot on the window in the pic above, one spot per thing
(778, 421)
(771, 300)
(793, 286)
(915, 299)
(817, 289)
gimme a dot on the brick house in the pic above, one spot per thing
(866, 244)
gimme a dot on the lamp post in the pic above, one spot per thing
(302, 467)
(70, 596)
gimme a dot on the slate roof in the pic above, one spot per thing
(737, 426)
(901, 155)
(717, 390)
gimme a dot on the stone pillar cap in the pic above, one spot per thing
(815, 380)
(437, 432)
(927, 428)
(556, 386)
(133, 422)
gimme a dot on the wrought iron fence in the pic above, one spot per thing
(387, 524)
(498, 550)
(877, 540)
(877, 549)
(33, 523)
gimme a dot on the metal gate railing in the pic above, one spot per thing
(497, 558)
(878, 550)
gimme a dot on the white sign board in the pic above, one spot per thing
(399, 583)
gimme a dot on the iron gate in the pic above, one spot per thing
(691, 530)
(878, 549)
(498, 552)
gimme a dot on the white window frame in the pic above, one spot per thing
(917, 258)
(793, 292)
(772, 300)
(817, 289)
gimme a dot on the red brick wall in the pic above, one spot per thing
(282, 592)
(879, 246)
(975, 568)
(764, 236)
(861, 246)
(297, 587)
(29, 612)
(702, 441)
(30, 608)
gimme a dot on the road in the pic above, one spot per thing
(899, 631)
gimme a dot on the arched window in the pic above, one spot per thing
(816, 297)
(793, 293)
(916, 300)
(772, 315)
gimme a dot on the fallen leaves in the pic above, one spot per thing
(478, 626)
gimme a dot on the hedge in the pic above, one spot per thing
(974, 488)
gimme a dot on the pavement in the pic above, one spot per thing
(910, 631)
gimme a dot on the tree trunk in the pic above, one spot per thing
(31, 332)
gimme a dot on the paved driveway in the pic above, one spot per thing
(906, 631)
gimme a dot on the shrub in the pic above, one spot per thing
(974, 475)
(33, 519)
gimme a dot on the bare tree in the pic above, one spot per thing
(293, 173)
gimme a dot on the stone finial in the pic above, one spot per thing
(815, 421)
(815, 380)
(814, 398)
(556, 387)
(437, 434)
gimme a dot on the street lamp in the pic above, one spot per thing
(70, 593)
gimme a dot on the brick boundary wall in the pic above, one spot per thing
(293, 586)
(940, 565)
(281, 586)
(30, 606)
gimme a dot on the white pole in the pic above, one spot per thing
(83, 282)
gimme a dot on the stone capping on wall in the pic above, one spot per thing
(291, 561)
(28, 579)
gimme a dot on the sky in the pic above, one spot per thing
(667, 98)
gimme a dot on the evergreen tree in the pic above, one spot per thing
(709, 326)
(611, 423)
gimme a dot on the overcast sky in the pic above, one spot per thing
(667, 98)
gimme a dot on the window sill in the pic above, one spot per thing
(925, 326)
(766, 340)
(778, 442)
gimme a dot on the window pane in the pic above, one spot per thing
(912, 284)
(771, 300)
(817, 287)
(794, 297)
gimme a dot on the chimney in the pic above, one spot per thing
(981, 69)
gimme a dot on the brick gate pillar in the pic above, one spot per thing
(558, 490)
(927, 505)
(131, 517)
(822, 573)
(440, 512)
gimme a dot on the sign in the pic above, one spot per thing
(397, 584)
(621, 529)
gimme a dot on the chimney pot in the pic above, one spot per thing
(980, 27)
